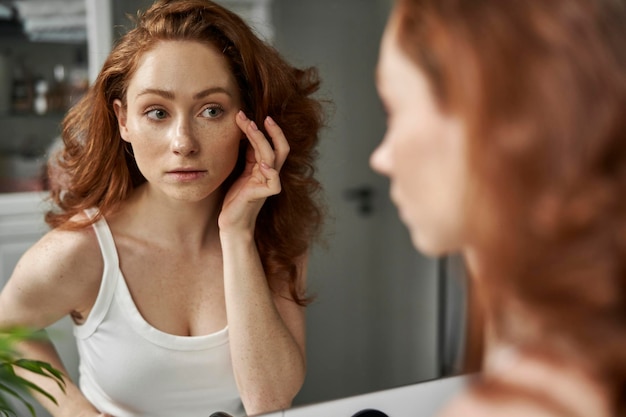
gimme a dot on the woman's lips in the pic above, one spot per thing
(186, 175)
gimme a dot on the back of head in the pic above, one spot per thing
(541, 87)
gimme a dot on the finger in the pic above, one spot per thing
(243, 123)
(250, 159)
(262, 148)
(272, 178)
(252, 155)
(281, 145)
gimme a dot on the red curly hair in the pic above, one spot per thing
(541, 87)
(97, 168)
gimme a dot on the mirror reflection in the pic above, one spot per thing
(364, 333)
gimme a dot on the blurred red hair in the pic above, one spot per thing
(541, 87)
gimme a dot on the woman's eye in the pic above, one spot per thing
(212, 112)
(157, 114)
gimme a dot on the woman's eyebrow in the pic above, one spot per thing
(159, 92)
(170, 95)
(213, 90)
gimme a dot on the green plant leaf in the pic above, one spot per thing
(5, 408)
(7, 411)
(30, 385)
(7, 389)
(14, 385)
(42, 368)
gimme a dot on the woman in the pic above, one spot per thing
(186, 205)
(506, 141)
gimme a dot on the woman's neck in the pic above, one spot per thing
(177, 222)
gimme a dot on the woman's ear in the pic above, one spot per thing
(120, 113)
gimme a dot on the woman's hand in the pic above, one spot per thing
(260, 178)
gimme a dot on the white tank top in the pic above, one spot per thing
(129, 368)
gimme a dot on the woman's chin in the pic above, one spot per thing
(430, 246)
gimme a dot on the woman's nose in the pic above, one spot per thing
(380, 160)
(184, 142)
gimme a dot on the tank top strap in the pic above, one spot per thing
(110, 277)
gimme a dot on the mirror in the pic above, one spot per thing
(384, 316)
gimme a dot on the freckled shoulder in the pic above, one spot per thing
(58, 275)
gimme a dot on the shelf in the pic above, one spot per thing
(47, 116)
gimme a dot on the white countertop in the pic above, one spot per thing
(421, 399)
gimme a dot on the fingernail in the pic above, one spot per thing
(242, 115)
(253, 125)
(270, 121)
(264, 165)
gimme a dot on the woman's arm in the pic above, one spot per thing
(267, 331)
(69, 403)
(58, 276)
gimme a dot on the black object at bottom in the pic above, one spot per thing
(370, 412)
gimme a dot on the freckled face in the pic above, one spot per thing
(422, 153)
(180, 119)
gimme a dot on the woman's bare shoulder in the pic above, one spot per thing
(60, 274)
(474, 404)
(66, 250)
(532, 387)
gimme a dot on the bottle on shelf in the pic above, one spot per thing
(58, 96)
(40, 102)
(22, 91)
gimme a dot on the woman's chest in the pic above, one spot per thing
(176, 293)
